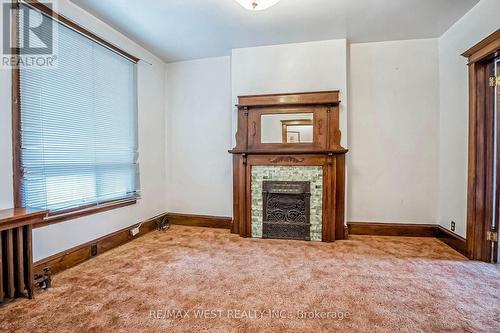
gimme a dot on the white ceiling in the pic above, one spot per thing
(191, 29)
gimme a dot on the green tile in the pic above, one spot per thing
(314, 174)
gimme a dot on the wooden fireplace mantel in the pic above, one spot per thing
(325, 151)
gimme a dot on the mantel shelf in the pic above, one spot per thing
(338, 151)
(241, 106)
(290, 99)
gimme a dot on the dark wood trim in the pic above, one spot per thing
(391, 229)
(480, 149)
(9, 216)
(78, 254)
(409, 230)
(453, 240)
(200, 220)
(326, 122)
(339, 195)
(78, 28)
(16, 113)
(288, 99)
(323, 138)
(239, 193)
(79, 209)
(484, 48)
(293, 151)
(85, 212)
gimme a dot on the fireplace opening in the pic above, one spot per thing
(286, 210)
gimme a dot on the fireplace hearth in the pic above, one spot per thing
(286, 210)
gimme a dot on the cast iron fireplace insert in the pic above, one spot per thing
(286, 211)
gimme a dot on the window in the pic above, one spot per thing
(77, 125)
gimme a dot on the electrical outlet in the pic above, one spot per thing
(93, 250)
(134, 231)
(452, 225)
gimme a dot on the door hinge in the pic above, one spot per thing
(494, 81)
(492, 236)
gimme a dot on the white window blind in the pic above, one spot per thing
(78, 126)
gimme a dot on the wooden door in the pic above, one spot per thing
(489, 157)
(483, 188)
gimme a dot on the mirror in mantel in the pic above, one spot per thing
(287, 128)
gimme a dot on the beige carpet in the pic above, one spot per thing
(160, 282)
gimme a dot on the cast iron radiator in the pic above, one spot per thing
(15, 262)
(16, 257)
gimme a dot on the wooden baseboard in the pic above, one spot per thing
(409, 230)
(391, 229)
(200, 220)
(76, 255)
(452, 239)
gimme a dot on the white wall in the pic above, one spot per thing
(394, 129)
(312, 66)
(476, 25)
(200, 99)
(393, 132)
(199, 177)
(59, 237)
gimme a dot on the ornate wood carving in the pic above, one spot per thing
(324, 151)
(290, 159)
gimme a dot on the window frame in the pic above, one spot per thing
(76, 212)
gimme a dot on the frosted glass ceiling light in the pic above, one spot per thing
(257, 4)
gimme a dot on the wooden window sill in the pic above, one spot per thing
(84, 211)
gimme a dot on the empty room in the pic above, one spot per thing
(249, 166)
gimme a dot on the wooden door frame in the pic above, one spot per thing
(480, 157)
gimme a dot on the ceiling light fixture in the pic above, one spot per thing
(257, 4)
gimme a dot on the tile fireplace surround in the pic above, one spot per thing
(313, 174)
